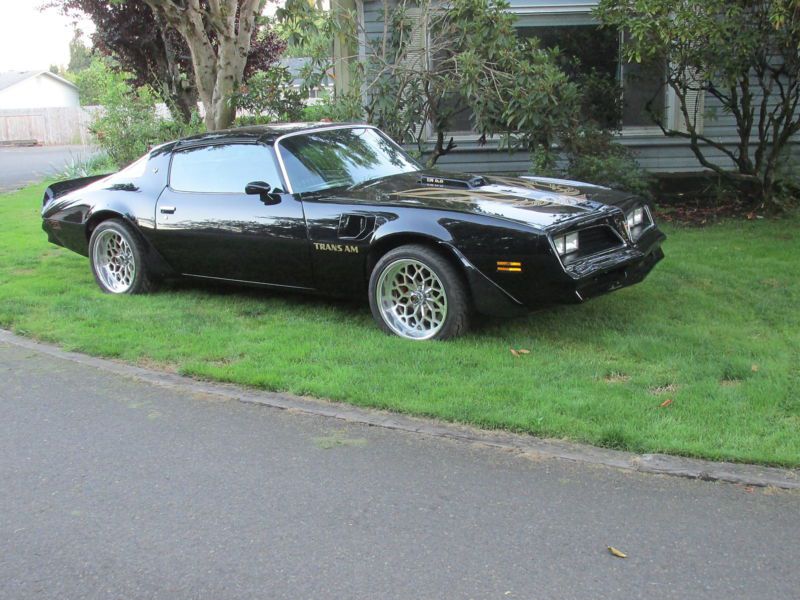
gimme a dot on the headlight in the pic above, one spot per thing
(566, 244)
(635, 217)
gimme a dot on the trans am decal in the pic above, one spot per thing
(335, 248)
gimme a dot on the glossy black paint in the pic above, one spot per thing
(327, 242)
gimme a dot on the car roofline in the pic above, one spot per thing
(265, 134)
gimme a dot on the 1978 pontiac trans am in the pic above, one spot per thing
(342, 210)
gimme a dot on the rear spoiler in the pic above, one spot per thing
(61, 188)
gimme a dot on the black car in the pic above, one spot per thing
(342, 210)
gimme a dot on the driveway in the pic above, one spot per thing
(21, 166)
(114, 488)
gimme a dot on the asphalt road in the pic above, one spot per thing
(112, 488)
(21, 166)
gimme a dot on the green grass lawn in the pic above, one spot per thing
(715, 329)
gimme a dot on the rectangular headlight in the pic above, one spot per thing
(566, 244)
(635, 217)
(571, 242)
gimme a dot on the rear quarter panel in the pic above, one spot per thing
(68, 219)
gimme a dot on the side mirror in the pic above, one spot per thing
(263, 189)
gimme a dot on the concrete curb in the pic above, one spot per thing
(752, 475)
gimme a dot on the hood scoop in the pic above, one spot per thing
(468, 183)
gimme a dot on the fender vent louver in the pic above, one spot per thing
(466, 184)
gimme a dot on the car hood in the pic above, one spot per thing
(537, 201)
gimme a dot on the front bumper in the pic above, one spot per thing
(603, 273)
(549, 282)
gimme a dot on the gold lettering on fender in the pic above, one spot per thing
(335, 248)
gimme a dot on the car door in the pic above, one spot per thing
(207, 226)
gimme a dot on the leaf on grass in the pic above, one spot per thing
(754, 368)
(617, 553)
(523, 351)
(514, 352)
(665, 403)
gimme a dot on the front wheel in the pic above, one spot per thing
(118, 259)
(417, 294)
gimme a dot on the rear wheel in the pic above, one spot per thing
(117, 258)
(417, 294)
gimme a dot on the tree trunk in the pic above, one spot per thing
(218, 65)
(185, 101)
(180, 90)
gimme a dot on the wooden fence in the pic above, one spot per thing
(48, 126)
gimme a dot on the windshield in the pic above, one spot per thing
(332, 158)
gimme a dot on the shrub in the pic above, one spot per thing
(270, 93)
(95, 80)
(86, 166)
(594, 156)
(248, 120)
(129, 124)
(343, 108)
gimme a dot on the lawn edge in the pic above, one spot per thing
(527, 445)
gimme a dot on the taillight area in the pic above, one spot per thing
(47, 197)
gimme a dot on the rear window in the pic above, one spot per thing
(222, 169)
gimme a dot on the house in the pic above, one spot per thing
(571, 25)
(39, 107)
(36, 89)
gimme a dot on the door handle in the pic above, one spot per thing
(168, 210)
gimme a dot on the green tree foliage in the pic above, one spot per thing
(336, 108)
(514, 87)
(80, 55)
(94, 80)
(128, 123)
(270, 94)
(309, 32)
(741, 53)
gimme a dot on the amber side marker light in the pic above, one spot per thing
(509, 266)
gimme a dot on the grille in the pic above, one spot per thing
(594, 240)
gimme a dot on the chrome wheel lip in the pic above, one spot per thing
(113, 261)
(411, 299)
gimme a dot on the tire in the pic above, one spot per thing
(416, 293)
(117, 256)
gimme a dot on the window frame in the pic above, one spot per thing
(208, 144)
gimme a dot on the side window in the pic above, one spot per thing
(223, 169)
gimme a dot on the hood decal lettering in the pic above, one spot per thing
(545, 186)
(516, 196)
